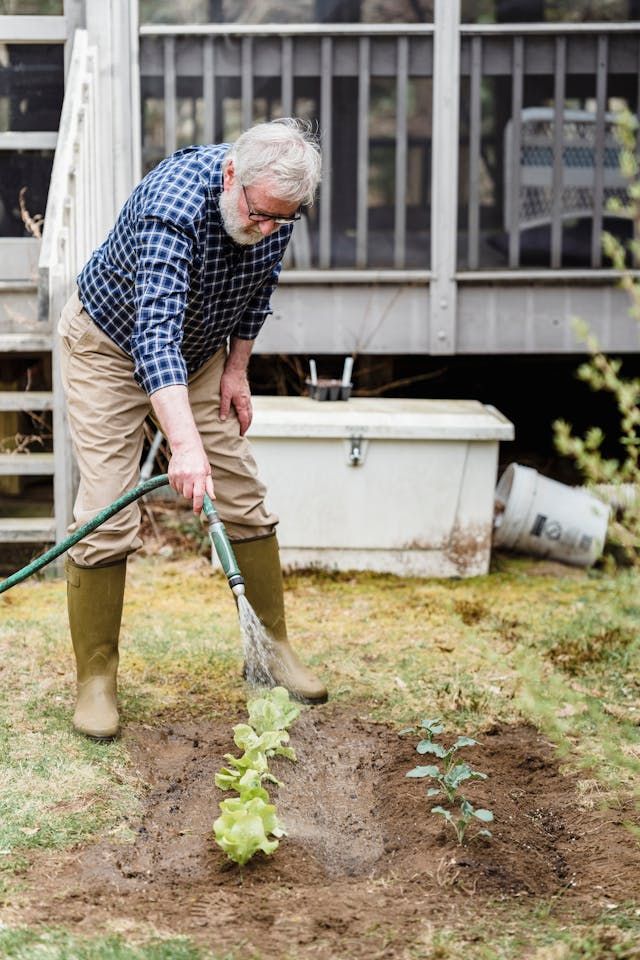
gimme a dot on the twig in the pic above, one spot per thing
(34, 224)
(403, 382)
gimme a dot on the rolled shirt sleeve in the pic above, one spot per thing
(164, 258)
(258, 308)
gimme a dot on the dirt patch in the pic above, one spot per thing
(365, 865)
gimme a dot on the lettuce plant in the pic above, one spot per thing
(248, 822)
(275, 711)
(244, 826)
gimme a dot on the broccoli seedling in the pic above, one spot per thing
(450, 778)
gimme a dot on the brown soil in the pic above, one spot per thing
(365, 865)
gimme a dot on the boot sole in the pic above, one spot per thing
(97, 736)
(309, 701)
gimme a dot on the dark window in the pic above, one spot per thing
(551, 11)
(18, 169)
(284, 11)
(31, 86)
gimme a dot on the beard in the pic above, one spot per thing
(234, 224)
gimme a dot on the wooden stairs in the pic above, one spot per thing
(22, 337)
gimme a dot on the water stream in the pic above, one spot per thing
(260, 658)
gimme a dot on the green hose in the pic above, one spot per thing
(218, 537)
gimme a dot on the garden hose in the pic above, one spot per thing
(217, 535)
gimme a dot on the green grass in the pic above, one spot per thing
(25, 944)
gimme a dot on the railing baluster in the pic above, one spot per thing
(247, 82)
(326, 89)
(170, 128)
(400, 219)
(81, 214)
(287, 76)
(473, 221)
(598, 153)
(558, 151)
(364, 82)
(208, 90)
(516, 133)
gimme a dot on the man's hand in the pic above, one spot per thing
(234, 386)
(190, 473)
(189, 468)
(234, 390)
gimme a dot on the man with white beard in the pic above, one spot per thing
(163, 322)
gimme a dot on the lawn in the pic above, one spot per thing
(106, 850)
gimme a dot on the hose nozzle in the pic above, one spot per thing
(220, 542)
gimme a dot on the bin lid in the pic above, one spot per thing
(384, 418)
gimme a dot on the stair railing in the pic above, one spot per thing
(79, 212)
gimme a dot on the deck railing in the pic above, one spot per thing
(537, 124)
(367, 86)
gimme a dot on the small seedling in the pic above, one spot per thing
(428, 728)
(467, 813)
(448, 781)
(450, 778)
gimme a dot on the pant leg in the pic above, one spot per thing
(240, 494)
(106, 410)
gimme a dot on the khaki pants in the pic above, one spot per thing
(106, 410)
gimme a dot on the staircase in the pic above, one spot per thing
(81, 206)
(22, 334)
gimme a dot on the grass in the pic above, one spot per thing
(560, 650)
(23, 944)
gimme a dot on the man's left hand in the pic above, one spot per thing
(235, 391)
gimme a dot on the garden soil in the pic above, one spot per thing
(365, 867)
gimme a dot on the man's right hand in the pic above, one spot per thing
(190, 473)
(189, 468)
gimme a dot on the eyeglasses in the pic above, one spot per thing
(257, 217)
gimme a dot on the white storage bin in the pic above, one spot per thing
(398, 486)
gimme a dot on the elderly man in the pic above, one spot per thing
(163, 322)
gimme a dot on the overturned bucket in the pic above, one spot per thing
(545, 518)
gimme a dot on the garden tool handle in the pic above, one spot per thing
(220, 541)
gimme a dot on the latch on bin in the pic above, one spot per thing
(356, 451)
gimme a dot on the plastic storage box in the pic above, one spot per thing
(399, 486)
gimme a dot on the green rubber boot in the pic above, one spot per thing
(94, 600)
(259, 562)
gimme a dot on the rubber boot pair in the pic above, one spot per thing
(94, 600)
(259, 562)
(95, 596)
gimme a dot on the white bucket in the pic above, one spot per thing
(548, 519)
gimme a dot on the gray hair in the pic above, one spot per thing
(284, 153)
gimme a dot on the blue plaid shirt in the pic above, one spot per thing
(168, 285)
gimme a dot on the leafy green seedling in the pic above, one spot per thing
(244, 827)
(467, 814)
(274, 711)
(270, 742)
(450, 778)
(430, 746)
(248, 784)
(448, 781)
(428, 728)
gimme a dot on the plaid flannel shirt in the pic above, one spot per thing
(168, 285)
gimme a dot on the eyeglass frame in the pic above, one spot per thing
(256, 217)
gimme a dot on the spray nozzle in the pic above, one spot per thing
(223, 549)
